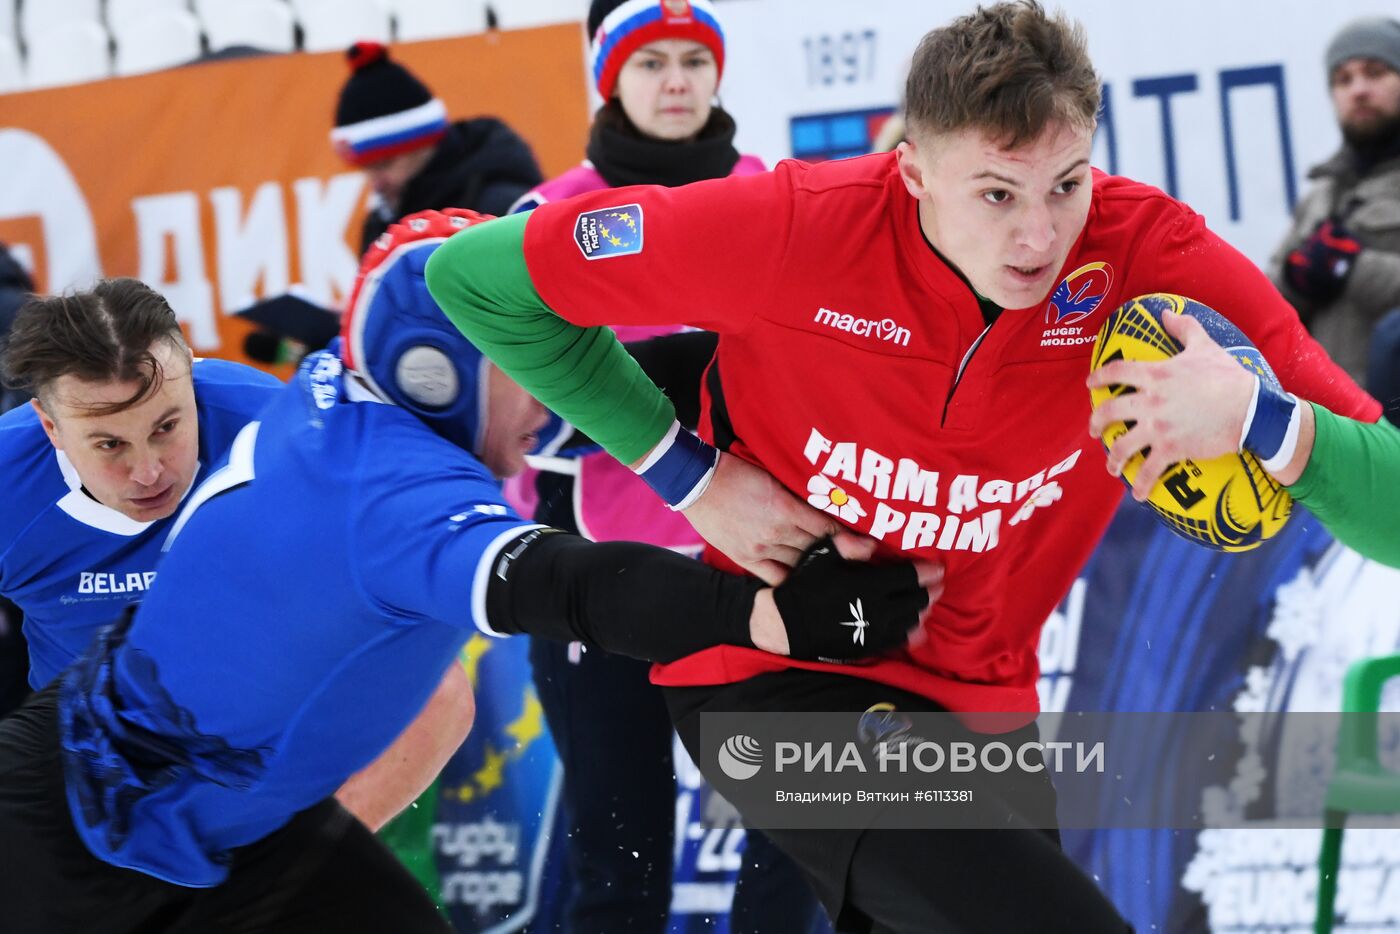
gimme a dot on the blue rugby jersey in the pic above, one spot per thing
(316, 588)
(72, 564)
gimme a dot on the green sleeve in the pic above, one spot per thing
(1352, 484)
(479, 278)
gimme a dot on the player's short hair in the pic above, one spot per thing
(103, 334)
(1008, 70)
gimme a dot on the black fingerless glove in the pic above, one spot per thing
(836, 610)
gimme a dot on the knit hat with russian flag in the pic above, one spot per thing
(620, 27)
(383, 109)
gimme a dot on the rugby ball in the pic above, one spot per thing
(1228, 503)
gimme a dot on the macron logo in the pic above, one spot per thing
(885, 329)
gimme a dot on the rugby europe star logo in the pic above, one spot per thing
(609, 232)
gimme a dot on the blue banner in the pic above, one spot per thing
(1157, 624)
(498, 800)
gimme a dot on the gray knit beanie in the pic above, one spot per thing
(1375, 37)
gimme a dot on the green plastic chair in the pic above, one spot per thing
(1360, 784)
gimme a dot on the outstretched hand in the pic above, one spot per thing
(761, 526)
(1192, 405)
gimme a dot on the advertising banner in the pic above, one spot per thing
(216, 183)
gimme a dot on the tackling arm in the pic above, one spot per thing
(649, 603)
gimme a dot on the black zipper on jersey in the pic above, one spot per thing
(991, 313)
(721, 424)
(962, 367)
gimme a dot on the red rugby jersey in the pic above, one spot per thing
(855, 366)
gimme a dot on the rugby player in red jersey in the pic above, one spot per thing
(903, 345)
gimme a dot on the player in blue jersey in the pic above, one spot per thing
(177, 778)
(124, 421)
(97, 464)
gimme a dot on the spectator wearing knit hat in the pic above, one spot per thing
(657, 65)
(1339, 265)
(390, 124)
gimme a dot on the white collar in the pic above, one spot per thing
(93, 514)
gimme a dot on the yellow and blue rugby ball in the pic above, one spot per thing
(1228, 503)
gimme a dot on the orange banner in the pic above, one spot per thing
(216, 183)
